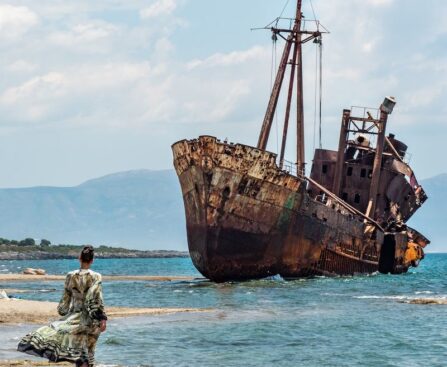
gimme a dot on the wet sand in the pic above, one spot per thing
(14, 311)
(31, 364)
(43, 278)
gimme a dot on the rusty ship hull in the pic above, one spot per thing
(248, 219)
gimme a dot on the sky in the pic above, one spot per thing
(89, 88)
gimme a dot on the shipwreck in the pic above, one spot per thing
(250, 214)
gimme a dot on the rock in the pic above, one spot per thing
(3, 294)
(31, 271)
(428, 301)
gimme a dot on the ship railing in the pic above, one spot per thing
(289, 167)
(292, 169)
(365, 112)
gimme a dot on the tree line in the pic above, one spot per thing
(25, 242)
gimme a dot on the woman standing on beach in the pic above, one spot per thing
(73, 338)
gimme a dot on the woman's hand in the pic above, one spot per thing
(103, 325)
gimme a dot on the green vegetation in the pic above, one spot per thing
(44, 243)
(29, 249)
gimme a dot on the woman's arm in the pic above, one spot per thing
(64, 304)
(94, 301)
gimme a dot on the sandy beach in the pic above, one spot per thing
(15, 311)
(26, 363)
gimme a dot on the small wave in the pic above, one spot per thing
(47, 290)
(423, 292)
(274, 278)
(381, 297)
(376, 273)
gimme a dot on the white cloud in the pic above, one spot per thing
(381, 2)
(49, 84)
(84, 79)
(81, 34)
(230, 59)
(230, 101)
(424, 97)
(21, 66)
(368, 46)
(123, 94)
(15, 21)
(163, 46)
(158, 8)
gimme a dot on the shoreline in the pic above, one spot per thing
(49, 278)
(28, 363)
(46, 256)
(17, 311)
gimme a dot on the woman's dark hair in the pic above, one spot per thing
(87, 254)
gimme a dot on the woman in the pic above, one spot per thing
(73, 338)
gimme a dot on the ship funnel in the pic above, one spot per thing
(388, 105)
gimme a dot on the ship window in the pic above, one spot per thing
(226, 193)
(357, 199)
(350, 169)
(363, 172)
(324, 169)
(344, 196)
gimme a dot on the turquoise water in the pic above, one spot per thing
(359, 321)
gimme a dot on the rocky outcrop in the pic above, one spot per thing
(31, 271)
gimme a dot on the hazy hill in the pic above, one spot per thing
(142, 209)
(136, 209)
(431, 218)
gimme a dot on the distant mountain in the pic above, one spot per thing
(137, 209)
(143, 210)
(429, 220)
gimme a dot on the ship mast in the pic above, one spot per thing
(295, 39)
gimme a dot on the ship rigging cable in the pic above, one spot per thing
(320, 46)
(319, 77)
(284, 8)
(315, 97)
(274, 65)
(272, 73)
(318, 96)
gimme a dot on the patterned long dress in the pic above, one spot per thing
(72, 338)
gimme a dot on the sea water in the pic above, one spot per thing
(343, 321)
